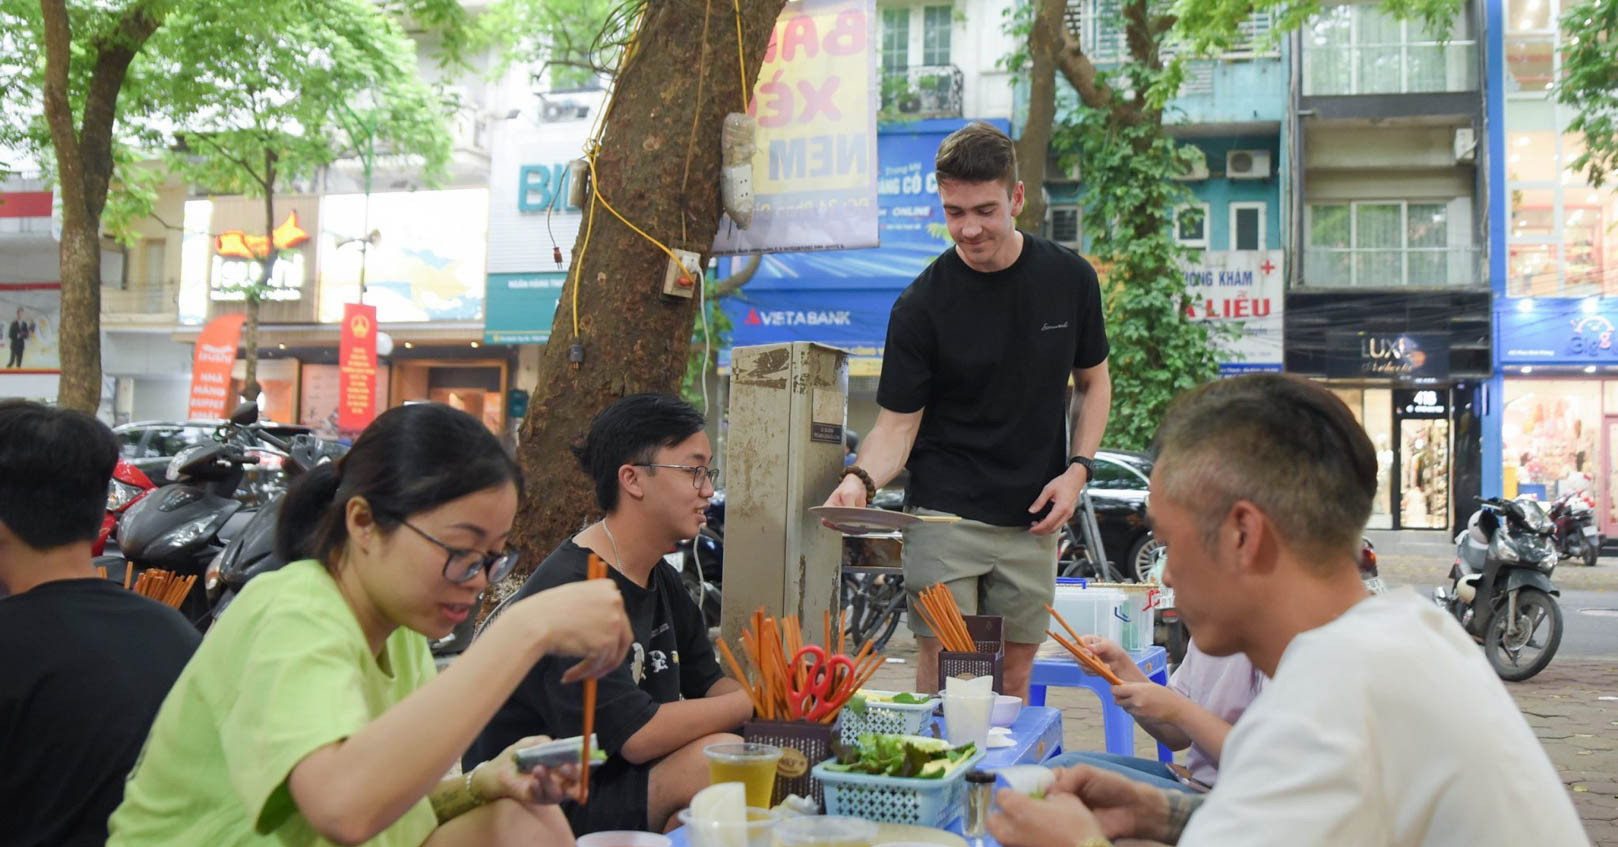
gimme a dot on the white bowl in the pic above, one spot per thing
(624, 838)
(1006, 710)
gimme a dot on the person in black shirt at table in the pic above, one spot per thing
(86, 663)
(973, 401)
(649, 458)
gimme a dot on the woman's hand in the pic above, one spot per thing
(1150, 701)
(580, 619)
(499, 778)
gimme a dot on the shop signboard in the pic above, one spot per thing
(1245, 289)
(521, 307)
(224, 248)
(1387, 355)
(426, 264)
(357, 365)
(1558, 331)
(815, 152)
(1421, 403)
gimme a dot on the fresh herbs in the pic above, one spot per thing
(899, 755)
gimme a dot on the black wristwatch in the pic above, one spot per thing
(1089, 466)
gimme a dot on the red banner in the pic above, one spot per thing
(210, 367)
(356, 362)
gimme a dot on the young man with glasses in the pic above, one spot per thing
(649, 460)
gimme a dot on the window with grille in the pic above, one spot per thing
(895, 39)
(1065, 225)
(935, 30)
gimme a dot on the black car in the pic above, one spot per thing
(1118, 490)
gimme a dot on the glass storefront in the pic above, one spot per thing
(1413, 443)
(1550, 437)
(1373, 408)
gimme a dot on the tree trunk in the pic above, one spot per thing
(634, 338)
(1034, 145)
(84, 173)
(255, 297)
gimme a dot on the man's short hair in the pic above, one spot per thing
(632, 430)
(978, 152)
(54, 468)
(1283, 443)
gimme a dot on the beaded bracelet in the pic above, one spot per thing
(870, 487)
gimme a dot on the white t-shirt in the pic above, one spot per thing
(1385, 727)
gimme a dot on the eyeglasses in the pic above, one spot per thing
(463, 565)
(698, 473)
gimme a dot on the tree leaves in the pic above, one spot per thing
(1589, 84)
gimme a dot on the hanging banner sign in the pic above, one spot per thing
(1241, 287)
(356, 362)
(210, 367)
(814, 161)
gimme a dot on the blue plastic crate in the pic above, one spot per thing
(893, 799)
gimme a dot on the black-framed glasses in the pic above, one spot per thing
(698, 473)
(463, 565)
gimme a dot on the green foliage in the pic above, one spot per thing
(268, 102)
(1157, 351)
(1590, 84)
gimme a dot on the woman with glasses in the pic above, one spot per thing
(651, 464)
(312, 713)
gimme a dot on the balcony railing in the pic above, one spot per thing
(1373, 267)
(158, 299)
(923, 91)
(1417, 67)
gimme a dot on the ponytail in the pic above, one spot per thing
(312, 523)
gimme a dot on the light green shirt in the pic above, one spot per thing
(285, 671)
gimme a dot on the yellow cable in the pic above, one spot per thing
(741, 58)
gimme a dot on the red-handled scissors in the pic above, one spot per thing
(819, 683)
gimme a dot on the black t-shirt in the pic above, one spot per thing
(84, 666)
(988, 356)
(670, 660)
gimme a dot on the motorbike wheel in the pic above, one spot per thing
(1518, 656)
(1581, 550)
(874, 605)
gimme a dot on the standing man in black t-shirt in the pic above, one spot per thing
(85, 662)
(974, 378)
(649, 459)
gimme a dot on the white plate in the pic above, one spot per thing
(852, 520)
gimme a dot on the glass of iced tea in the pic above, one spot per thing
(752, 765)
(824, 831)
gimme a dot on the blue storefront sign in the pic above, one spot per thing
(843, 297)
(1557, 331)
(520, 307)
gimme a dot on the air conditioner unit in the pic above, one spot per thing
(1198, 170)
(1466, 145)
(555, 111)
(1247, 164)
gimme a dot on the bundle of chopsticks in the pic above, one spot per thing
(596, 569)
(770, 645)
(1080, 652)
(943, 617)
(162, 586)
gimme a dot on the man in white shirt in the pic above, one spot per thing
(1382, 723)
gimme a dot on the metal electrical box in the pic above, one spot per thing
(783, 455)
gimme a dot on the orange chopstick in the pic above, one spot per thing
(736, 668)
(597, 569)
(1090, 661)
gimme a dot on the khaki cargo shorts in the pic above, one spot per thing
(991, 570)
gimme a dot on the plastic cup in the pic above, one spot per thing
(752, 765)
(967, 718)
(825, 831)
(624, 838)
(754, 832)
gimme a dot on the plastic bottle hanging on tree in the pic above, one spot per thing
(736, 174)
(578, 175)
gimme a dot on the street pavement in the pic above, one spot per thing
(1571, 705)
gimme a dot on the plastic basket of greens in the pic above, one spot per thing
(885, 713)
(894, 778)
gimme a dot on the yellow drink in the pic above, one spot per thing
(752, 765)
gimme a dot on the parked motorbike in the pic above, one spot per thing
(1574, 516)
(128, 484)
(1501, 589)
(180, 527)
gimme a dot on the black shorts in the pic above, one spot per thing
(618, 799)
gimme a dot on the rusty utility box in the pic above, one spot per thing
(783, 455)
